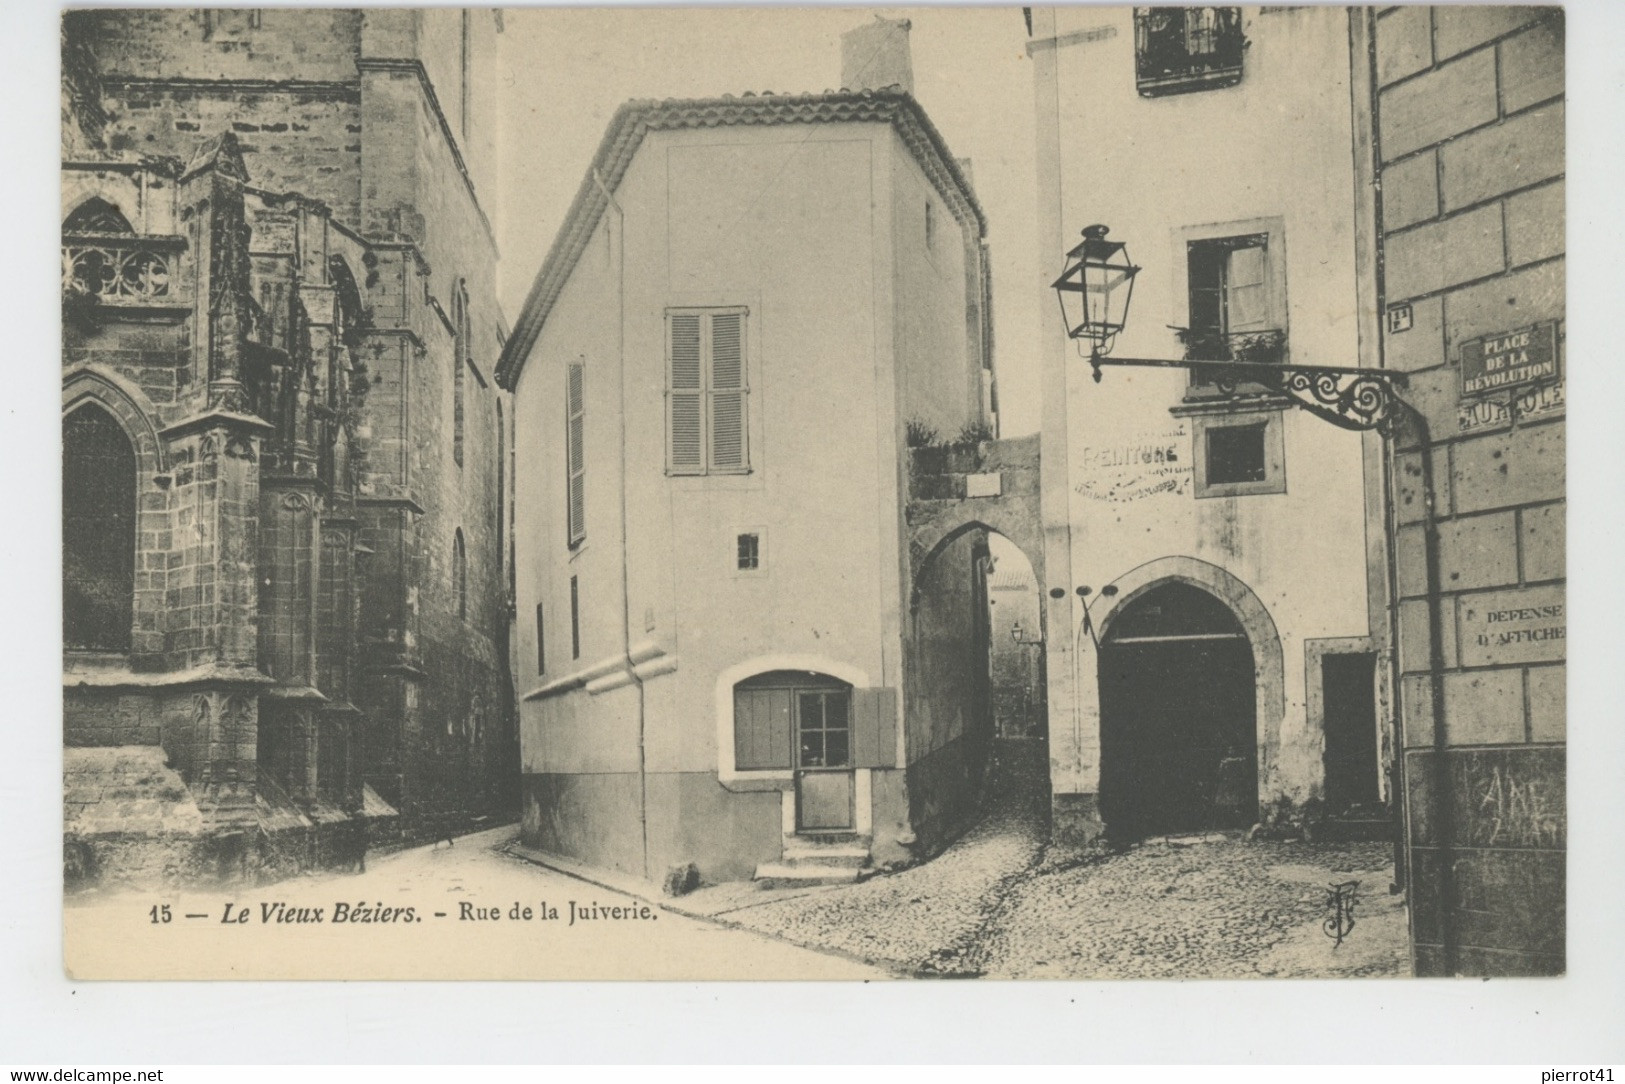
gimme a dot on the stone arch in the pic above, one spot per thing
(349, 298)
(1013, 523)
(1269, 671)
(96, 215)
(128, 404)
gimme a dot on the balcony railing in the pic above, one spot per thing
(1245, 348)
(121, 269)
(1178, 50)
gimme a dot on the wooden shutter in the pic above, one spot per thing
(575, 454)
(761, 729)
(1247, 300)
(874, 728)
(685, 396)
(728, 391)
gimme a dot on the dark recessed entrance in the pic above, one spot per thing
(1178, 717)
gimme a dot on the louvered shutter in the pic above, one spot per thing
(685, 396)
(727, 391)
(575, 454)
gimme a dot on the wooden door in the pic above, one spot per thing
(824, 780)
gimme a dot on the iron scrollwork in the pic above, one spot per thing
(1358, 399)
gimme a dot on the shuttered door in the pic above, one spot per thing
(575, 454)
(685, 396)
(727, 391)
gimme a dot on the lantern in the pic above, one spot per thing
(1094, 290)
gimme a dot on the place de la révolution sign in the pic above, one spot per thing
(1509, 359)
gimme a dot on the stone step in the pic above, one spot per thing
(1355, 829)
(782, 875)
(842, 857)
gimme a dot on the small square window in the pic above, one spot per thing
(1239, 456)
(1235, 453)
(749, 551)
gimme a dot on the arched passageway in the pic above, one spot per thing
(1179, 716)
(1016, 643)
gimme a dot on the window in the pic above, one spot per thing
(575, 439)
(1235, 453)
(96, 216)
(541, 642)
(1179, 50)
(1239, 455)
(575, 619)
(98, 531)
(459, 574)
(792, 713)
(1229, 289)
(707, 424)
(1236, 289)
(459, 375)
(823, 728)
(749, 552)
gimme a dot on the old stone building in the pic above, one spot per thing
(736, 658)
(1461, 113)
(284, 457)
(1363, 627)
(1216, 603)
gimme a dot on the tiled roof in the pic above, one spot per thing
(636, 118)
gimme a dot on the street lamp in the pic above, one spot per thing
(1095, 289)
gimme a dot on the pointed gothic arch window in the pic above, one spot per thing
(461, 334)
(96, 216)
(459, 574)
(98, 531)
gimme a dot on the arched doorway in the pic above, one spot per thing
(1178, 716)
(98, 531)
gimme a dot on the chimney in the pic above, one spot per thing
(876, 56)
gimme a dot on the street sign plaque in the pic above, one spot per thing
(1509, 359)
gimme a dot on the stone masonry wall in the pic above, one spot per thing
(1469, 124)
(283, 80)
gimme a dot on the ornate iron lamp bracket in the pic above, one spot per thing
(1358, 399)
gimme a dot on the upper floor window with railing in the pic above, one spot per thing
(1178, 50)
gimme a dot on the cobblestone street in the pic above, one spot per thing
(1001, 902)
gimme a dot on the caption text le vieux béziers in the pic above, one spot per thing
(278, 912)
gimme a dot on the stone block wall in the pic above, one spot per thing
(348, 158)
(1468, 116)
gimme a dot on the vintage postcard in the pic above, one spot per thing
(816, 493)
